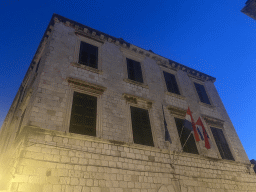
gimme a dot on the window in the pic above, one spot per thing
(171, 83)
(202, 93)
(134, 70)
(88, 55)
(83, 114)
(141, 127)
(189, 141)
(38, 65)
(222, 144)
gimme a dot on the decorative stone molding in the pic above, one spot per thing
(91, 36)
(86, 86)
(175, 95)
(211, 121)
(140, 101)
(206, 105)
(78, 65)
(177, 112)
(101, 37)
(135, 83)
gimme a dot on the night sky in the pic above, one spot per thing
(213, 37)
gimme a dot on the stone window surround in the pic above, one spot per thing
(93, 42)
(193, 80)
(219, 124)
(88, 89)
(136, 57)
(143, 103)
(180, 113)
(164, 69)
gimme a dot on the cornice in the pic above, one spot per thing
(147, 103)
(86, 86)
(102, 37)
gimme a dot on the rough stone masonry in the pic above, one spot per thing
(40, 154)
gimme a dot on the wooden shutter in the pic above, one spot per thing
(134, 70)
(141, 127)
(222, 144)
(190, 146)
(83, 114)
(88, 55)
(171, 83)
(202, 93)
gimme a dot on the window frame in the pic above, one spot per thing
(70, 95)
(198, 98)
(149, 124)
(136, 57)
(95, 43)
(141, 103)
(179, 113)
(218, 124)
(226, 141)
(180, 96)
(196, 145)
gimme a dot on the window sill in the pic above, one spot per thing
(136, 83)
(175, 95)
(206, 105)
(78, 65)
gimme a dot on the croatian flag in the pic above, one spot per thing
(190, 125)
(202, 132)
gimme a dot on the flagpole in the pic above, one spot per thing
(186, 140)
(181, 130)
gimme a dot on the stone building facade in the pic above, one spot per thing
(92, 114)
(250, 9)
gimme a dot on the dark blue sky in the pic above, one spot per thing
(213, 37)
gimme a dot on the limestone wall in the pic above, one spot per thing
(52, 101)
(49, 158)
(53, 161)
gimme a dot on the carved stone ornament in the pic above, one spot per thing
(86, 86)
(175, 111)
(89, 35)
(213, 121)
(140, 101)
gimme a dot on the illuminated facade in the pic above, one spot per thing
(96, 113)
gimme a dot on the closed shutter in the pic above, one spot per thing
(190, 146)
(202, 93)
(134, 70)
(83, 114)
(222, 144)
(141, 127)
(88, 55)
(171, 83)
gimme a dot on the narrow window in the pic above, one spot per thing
(134, 70)
(38, 65)
(222, 144)
(202, 93)
(88, 55)
(186, 140)
(141, 127)
(171, 83)
(83, 114)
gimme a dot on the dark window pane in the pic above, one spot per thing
(83, 114)
(202, 93)
(222, 144)
(88, 55)
(190, 146)
(171, 83)
(38, 65)
(141, 127)
(134, 70)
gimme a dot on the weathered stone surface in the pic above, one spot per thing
(44, 156)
